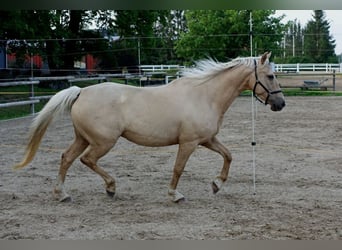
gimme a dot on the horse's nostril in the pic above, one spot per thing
(278, 105)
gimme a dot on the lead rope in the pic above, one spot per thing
(254, 110)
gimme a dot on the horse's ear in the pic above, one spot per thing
(265, 57)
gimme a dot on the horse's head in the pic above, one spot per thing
(265, 85)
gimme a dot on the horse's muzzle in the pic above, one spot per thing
(277, 104)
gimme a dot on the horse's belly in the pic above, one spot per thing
(151, 139)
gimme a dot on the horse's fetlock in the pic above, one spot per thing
(110, 188)
(224, 179)
(111, 183)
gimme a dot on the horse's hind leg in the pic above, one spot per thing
(92, 154)
(218, 147)
(68, 157)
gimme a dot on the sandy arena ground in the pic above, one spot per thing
(298, 182)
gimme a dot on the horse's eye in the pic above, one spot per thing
(271, 77)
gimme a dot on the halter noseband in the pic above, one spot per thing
(269, 93)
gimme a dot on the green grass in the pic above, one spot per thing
(18, 93)
(312, 92)
(19, 111)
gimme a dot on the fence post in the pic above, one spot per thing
(32, 86)
(334, 81)
(32, 95)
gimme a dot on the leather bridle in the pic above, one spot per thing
(257, 82)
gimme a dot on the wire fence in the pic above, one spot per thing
(149, 46)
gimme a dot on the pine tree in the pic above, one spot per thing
(319, 45)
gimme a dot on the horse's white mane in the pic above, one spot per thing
(209, 67)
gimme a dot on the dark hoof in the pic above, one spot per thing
(110, 194)
(214, 187)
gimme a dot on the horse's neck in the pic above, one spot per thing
(227, 86)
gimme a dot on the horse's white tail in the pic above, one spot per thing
(57, 105)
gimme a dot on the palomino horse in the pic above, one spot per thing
(187, 111)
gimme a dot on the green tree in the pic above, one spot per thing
(17, 25)
(167, 30)
(319, 45)
(292, 44)
(206, 35)
(54, 34)
(135, 28)
(226, 34)
(72, 39)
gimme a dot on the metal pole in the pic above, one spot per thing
(293, 41)
(334, 80)
(32, 86)
(253, 108)
(284, 52)
(139, 62)
(253, 141)
(31, 65)
(251, 32)
(139, 54)
(6, 59)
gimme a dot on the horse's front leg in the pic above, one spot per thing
(184, 152)
(215, 145)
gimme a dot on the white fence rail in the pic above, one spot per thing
(308, 67)
(32, 99)
(155, 68)
(24, 102)
(290, 67)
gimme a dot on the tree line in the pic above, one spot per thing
(121, 38)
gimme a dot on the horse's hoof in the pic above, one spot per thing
(110, 193)
(215, 187)
(180, 200)
(177, 196)
(66, 198)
